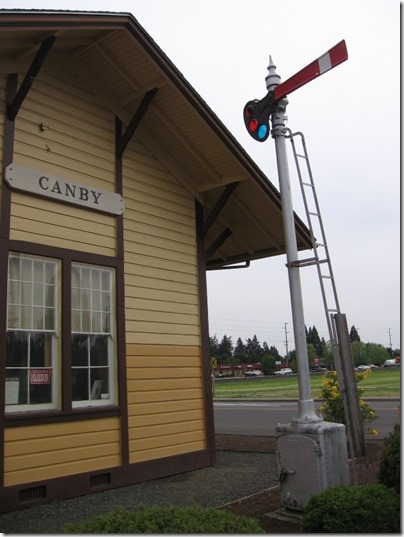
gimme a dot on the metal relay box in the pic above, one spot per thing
(311, 458)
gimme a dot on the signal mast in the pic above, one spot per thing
(312, 453)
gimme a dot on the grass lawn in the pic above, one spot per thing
(380, 383)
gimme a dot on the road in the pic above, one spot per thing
(256, 418)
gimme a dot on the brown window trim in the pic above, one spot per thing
(57, 416)
(67, 413)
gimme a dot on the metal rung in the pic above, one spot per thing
(302, 156)
(313, 214)
(325, 276)
(303, 262)
(307, 184)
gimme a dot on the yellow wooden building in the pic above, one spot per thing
(120, 189)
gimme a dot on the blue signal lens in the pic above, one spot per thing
(262, 131)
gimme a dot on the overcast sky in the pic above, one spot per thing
(350, 117)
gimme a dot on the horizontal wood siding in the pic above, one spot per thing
(163, 354)
(165, 401)
(39, 452)
(161, 286)
(62, 131)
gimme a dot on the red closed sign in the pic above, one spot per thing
(40, 376)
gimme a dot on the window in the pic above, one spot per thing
(92, 339)
(32, 345)
(35, 334)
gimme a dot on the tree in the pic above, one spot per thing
(268, 364)
(214, 346)
(369, 353)
(239, 352)
(353, 335)
(225, 349)
(311, 354)
(313, 338)
(253, 350)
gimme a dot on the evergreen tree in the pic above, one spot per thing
(225, 349)
(253, 350)
(214, 346)
(239, 352)
(353, 335)
(313, 338)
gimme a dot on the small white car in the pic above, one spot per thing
(284, 371)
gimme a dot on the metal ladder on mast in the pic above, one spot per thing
(321, 256)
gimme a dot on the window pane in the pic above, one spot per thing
(86, 321)
(17, 349)
(26, 270)
(85, 278)
(37, 354)
(14, 268)
(26, 289)
(49, 319)
(99, 383)
(79, 350)
(37, 319)
(38, 298)
(105, 286)
(16, 387)
(80, 390)
(13, 320)
(38, 272)
(26, 317)
(76, 303)
(96, 279)
(40, 393)
(96, 300)
(50, 273)
(50, 296)
(99, 350)
(96, 322)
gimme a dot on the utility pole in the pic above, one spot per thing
(286, 343)
(391, 350)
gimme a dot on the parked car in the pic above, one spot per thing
(363, 367)
(284, 371)
(255, 373)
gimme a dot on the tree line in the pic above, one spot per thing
(318, 350)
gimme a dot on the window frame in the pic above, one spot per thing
(66, 410)
(111, 337)
(55, 357)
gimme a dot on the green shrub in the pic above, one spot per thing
(154, 520)
(333, 409)
(371, 508)
(389, 467)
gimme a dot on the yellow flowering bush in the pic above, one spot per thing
(332, 408)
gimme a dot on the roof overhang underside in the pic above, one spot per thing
(123, 67)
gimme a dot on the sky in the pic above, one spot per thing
(350, 118)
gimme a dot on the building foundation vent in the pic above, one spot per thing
(100, 480)
(33, 493)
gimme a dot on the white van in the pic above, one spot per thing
(390, 363)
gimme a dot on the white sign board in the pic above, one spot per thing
(65, 190)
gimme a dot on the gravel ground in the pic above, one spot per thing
(236, 475)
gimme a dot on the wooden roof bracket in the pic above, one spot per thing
(135, 121)
(13, 108)
(223, 236)
(221, 202)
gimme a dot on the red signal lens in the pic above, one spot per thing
(253, 125)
